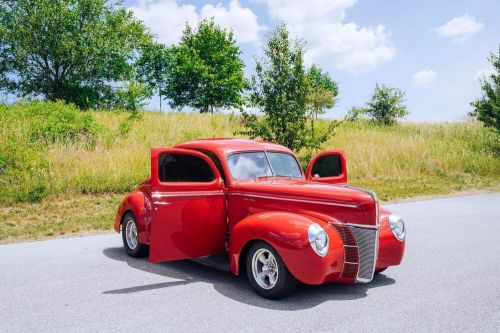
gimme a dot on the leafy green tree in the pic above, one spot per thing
(487, 108)
(205, 71)
(73, 50)
(152, 68)
(321, 94)
(280, 90)
(384, 108)
(131, 96)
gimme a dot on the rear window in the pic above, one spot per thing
(184, 168)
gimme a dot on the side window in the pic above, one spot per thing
(183, 168)
(327, 166)
(217, 163)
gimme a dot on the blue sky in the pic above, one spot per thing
(433, 50)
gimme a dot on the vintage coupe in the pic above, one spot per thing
(247, 205)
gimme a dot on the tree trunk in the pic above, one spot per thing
(159, 93)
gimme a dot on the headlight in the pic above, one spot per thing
(318, 239)
(397, 226)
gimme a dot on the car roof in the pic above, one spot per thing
(226, 146)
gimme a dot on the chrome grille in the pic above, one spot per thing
(350, 251)
(367, 247)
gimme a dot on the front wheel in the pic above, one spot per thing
(130, 237)
(267, 272)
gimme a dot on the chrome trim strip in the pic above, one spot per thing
(350, 245)
(161, 203)
(294, 200)
(185, 194)
(352, 263)
(363, 226)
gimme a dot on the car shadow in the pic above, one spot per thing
(237, 288)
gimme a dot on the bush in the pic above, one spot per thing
(385, 107)
(51, 122)
(28, 128)
(487, 108)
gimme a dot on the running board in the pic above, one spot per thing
(219, 261)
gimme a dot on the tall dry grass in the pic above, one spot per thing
(400, 161)
(82, 180)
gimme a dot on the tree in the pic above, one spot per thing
(487, 108)
(280, 90)
(385, 106)
(321, 94)
(206, 71)
(152, 67)
(74, 50)
(131, 96)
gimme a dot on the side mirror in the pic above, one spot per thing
(315, 176)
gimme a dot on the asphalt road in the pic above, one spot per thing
(449, 281)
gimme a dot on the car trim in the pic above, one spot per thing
(364, 226)
(290, 199)
(186, 194)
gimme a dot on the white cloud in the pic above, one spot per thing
(242, 20)
(424, 78)
(483, 73)
(460, 28)
(332, 42)
(167, 19)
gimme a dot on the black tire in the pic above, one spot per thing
(285, 283)
(140, 250)
(380, 270)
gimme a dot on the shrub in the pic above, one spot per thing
(487, 108)
(50, 122)
(28, 129)
(385, 107)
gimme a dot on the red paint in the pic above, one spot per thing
(193, 219)
(189, 219)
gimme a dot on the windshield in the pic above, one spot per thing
(255, 164)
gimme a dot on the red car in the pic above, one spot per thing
(247, 205)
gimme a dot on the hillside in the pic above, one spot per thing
(67, 183)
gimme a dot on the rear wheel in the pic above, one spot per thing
(267, 272)
(130, 237)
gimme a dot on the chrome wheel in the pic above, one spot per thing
(265, 269)
(131, 234)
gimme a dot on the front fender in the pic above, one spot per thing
(286, 232)
(391, 250)
(139, 204)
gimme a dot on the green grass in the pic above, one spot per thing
(63, 171)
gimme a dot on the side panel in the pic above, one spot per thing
(287, 233)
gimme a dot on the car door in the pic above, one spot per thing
(328, 167)
(189, 206)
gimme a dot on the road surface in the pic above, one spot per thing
(448, 281)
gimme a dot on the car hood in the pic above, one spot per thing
(345, 203)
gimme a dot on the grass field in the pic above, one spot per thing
(70, 183)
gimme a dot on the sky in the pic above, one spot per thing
(435, 51)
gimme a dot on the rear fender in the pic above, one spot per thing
(286, 232)
(139, 204)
